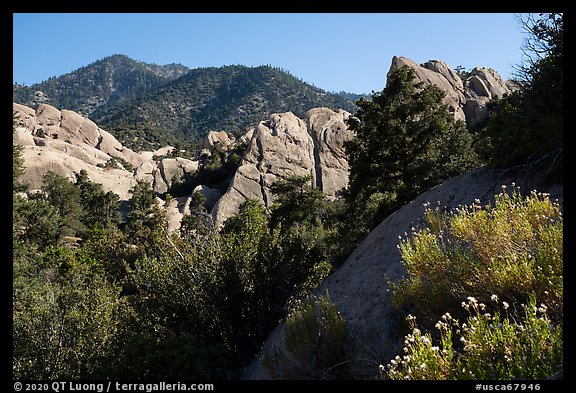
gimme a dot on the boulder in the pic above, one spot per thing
(49, 118)
(26, 116)
(145, 172)
(172, 168)
(216, 137)
(163, 151)
(212, 195)
(22, 136)
(111, 146)
(75, 128)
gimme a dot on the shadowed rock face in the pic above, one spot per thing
(359, 287)
(466, 99)
(286, 146)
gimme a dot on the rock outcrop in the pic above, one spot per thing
(286, 146)
(329, 133)
(468, 98)
(171, 169)
(360, 289)
(65, 143)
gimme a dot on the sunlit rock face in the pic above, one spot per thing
(286, 146)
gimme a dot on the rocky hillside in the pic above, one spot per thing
(230, 98)
(103, 83)
(65, 142)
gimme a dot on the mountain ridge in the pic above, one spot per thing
(147, 106)
(99, 83)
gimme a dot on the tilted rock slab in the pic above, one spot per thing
(286, 146)
(329, 133)
(39, 160)
(65, 142)
(216, 137)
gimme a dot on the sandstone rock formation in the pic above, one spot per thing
(359, 288)
(285, 146)
(65, 142)
(329, 132)
(483, 85)
(468, 98)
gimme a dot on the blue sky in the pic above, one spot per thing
(334, 51)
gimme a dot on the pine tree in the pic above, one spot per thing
(526, 127)
(406, 141)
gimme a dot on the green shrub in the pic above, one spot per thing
(487, 346)
(512, 249)
(66, 317)
(225, 289)
(315, 341)
(501, 258)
